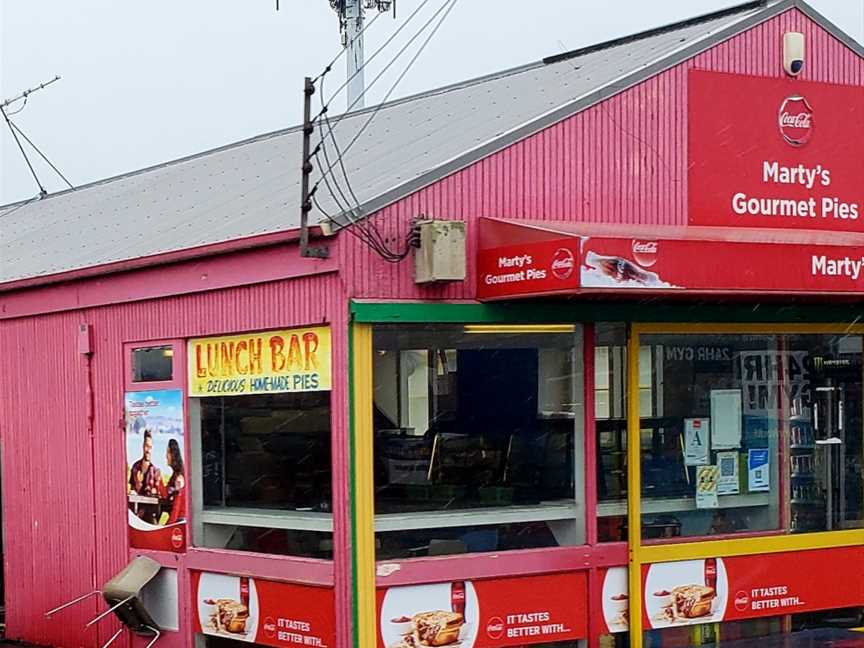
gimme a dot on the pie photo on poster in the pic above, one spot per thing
(616, 601)
(228, 606)
(688, 592)
(429, 616)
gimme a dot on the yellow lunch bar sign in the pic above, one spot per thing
(290, 360)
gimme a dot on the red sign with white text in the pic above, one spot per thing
(775, 152)
(263, 612)
(757, 264)
(745, 587)
(485, 613)
(539, 267)
(692, 592)
(704, 266)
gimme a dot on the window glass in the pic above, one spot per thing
(477, 438)
(152, 364)
(266, 473)
(823, 404)
(267, 451)
(610, 414)
(731, 414)
(715, 410)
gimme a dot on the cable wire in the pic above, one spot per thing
(366, 231)
(3, 214)
(41, 154)
(372, 57)
(449, 4)
(23, 106)
(330, 65)
(42, 191)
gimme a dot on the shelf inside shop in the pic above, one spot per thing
(269, 519)
(650, 506)
(799, 446)
(801, 502)
(548, 512)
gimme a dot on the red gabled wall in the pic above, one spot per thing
(621, 161)
(64, 508)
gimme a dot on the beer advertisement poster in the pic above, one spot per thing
(156, 477)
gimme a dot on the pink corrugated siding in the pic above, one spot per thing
(622, 161)
(48, 471)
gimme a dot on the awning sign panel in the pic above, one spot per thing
(591, 264)
(293, 360)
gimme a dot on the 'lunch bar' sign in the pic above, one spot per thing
(292, 360)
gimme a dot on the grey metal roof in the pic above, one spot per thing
(252, 187)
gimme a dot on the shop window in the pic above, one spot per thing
(153, 364)
(698, 446)
(478, 438)
(735, 412)
(610, 414)
(265, 473)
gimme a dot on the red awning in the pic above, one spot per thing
(532, 258)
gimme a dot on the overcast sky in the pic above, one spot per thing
(147, 82)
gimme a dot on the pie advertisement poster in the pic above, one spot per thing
(685, 593)
(263, 612)
(484, 613)
(155, 469)
(746, 587)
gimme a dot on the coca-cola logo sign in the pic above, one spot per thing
(563, 263)
(495, 627)
(742, 600)
(177, 538)
(796, 120)
(645, 252)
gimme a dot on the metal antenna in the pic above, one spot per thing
(28, 92)
(14, 130)
(352, 14)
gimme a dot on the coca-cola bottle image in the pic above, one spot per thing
(244, 590)
(620, 270)
(711, 573)
(457, 598)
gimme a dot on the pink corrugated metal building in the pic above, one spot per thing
(625, 407)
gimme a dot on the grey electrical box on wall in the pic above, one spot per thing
(441, 255)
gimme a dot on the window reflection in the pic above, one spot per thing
(480, 419)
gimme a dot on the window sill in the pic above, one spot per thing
(251, 517)
(658, 505)
(552, 511)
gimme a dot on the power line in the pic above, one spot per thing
(402, 76)
(449, 4)
(366, 231)
(371, 58)
(330, 65)
(41, 154)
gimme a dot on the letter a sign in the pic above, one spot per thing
(696, 441)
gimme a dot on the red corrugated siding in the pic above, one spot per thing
(622, 161)
(48, 471)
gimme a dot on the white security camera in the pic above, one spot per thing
(793, 53)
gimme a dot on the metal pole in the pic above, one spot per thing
(354, 54)
(71, 603)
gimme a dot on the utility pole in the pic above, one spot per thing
(353, 42)
(306, 171)
(352, 19)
